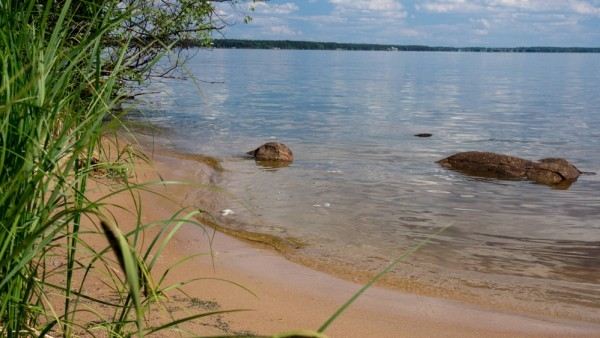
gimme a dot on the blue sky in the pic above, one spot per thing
(503, 23)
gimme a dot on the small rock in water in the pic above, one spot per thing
(423, 135)
(272, 151)
(226, 212)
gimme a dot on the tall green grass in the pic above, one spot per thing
(56, 94)
(53, 103)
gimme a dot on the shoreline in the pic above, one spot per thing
(301, 287)
(490, 294)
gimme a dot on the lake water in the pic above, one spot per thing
(363, 189)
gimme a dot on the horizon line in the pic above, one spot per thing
(404, 45)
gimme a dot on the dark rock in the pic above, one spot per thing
(553, 171)
(487, 165)
(272, 151)
(423, 135)
(550, 171)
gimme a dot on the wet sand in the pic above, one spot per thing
(287, 295)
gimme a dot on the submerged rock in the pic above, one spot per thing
(550, 171)
(272, 151)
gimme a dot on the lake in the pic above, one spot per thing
(363, 189)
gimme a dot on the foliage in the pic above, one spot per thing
(58, 84)
(154, 26)
(147, 28)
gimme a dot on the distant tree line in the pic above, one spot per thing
(312, 45)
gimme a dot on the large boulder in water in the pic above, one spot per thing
(272, 151)
(550, 171)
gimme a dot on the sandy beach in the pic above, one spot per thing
(281, 295)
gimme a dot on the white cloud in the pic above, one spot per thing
(283, 30)
(446, 6)
(368, 5)
(378, 8)
(268, 19)
(551, 19)
(581, 7)
(481, 26)
(238, 11)
(278, 9)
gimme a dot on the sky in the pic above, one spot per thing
(458, 23)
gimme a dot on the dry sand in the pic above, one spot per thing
(287, 295)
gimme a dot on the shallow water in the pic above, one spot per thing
(362, 188)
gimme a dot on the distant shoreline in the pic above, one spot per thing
(314, 45)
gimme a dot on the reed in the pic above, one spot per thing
(58, 88)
